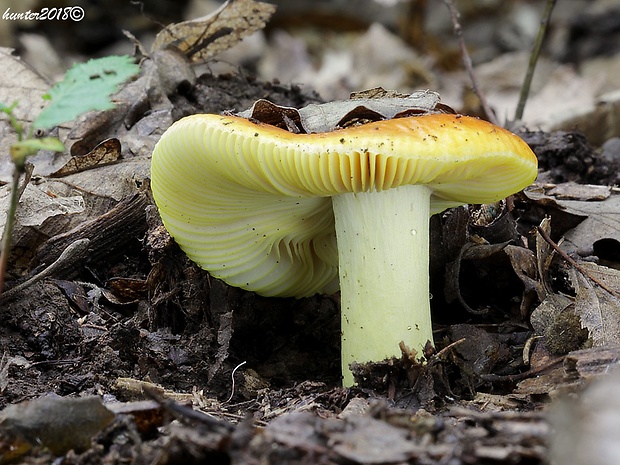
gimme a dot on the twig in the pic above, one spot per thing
(7, 236)
(182, 412)
(448, 348)
(73, 249)
(576, 265)
(527, 81)
(458, 32)
(521, 376)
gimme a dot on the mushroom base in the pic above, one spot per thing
(383, 251)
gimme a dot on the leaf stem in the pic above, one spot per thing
(467, 63)
(7, 235)
(527, 81)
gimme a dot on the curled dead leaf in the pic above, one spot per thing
(203, 38)
(326, 117)
(122, 291)
(598, 310)
(107, 152)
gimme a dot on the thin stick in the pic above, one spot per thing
(7, 235)
(521, 376)
(181, 411)
(70, 252)
(458, 32)
(527, 82)
(448, 348)
(576, 265)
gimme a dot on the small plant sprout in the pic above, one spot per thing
(86, 86)
(286, 214)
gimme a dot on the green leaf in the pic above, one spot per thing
(86, 86)
(23, 149)
(17, 126)
(7, 109)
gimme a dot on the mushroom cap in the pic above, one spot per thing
(251, 203)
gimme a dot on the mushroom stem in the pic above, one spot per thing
(383, 251)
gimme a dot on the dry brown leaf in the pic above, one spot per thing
(524, 264)
(23, 84)
(123, 291)
(563, 319)
(19, 83)
(601, 218)
(560, 325)
(602, 222)
(574, 191)
(115, 181)
(107, 152)
(39, 209)
(202, 38)
(326, 117)
(544, 256)
(598, 310)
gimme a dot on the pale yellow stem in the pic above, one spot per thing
(383, 249)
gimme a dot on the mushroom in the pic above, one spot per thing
(286, 214)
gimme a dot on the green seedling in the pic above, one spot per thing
(85, 87)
